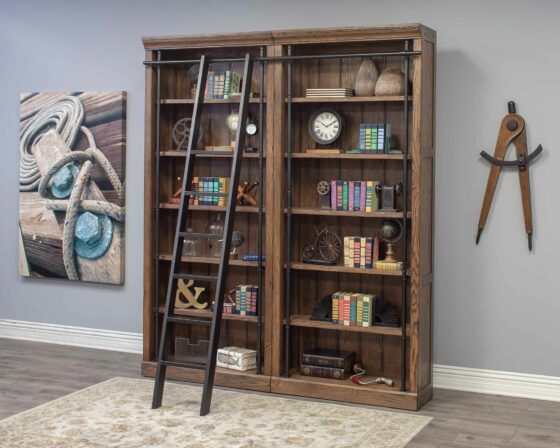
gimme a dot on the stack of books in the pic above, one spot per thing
(222, 84)
(327, 363)
(352, 308)
(329, 93)
(210, 185)
(354, 195)
(245, 301)
(361, 252)
(236, 358)
(374, 139)
(391, 265)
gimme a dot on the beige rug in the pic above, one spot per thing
(117, 413)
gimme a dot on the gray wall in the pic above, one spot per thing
(497, 306)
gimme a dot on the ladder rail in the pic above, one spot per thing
(165, 341)
(226, 244)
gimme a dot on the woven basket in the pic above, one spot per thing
(366, 79)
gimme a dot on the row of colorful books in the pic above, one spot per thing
(222, 84)
(352, 308)
(245, 301)
(374, 138)
(361, 251)
(354, 195)
(209, 185)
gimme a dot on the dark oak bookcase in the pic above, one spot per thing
(290, 287)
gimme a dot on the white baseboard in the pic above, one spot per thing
(495, 382)
(119, 341)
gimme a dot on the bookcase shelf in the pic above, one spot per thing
(170, 101)
(297, 266)
(349, 214)
(305, 321)
(210, 260)
(210, 208)
(291, 287)
(207, 314)
(350, 99)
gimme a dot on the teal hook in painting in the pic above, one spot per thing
(93, 235)
(63, 181)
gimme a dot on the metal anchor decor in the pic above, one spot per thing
(512, 131)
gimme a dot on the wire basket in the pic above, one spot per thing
(185, 351)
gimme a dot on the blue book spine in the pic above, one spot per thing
(357, 190)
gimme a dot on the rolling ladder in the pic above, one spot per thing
(169, 317)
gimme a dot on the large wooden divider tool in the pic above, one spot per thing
(512, 131)
(220, 279)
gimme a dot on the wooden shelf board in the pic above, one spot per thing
(343, 269)
(175, 153)
(344, 390)
(352, 214)
(207, 101)
(304, 155)
(305, 321)
(209, 260)
(248, 379)
(349, 99)
(212, 208)
(207, 314)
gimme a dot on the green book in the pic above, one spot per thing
(345, 195)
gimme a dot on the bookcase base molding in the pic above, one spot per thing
(381, 148)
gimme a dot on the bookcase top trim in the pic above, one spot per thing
(298, 36)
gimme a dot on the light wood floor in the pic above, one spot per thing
(33, 373)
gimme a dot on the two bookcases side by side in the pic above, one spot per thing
(287, 210)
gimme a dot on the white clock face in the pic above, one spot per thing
(325, 127)
(251, 128)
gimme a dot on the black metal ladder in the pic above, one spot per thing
(220, 279)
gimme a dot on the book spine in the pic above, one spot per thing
(374, 197)
(362, 207)
(360, 311)
(369, 248)
(362, 252)
(327, 361)
(356, 254)
(195, 187)
(339, 195)
(357, 197)
(347, 309)
(353, 310)
(366, 311)
(381, 138)
(344, 195)
(341, 308)
(324, 372)
(333, 195)
(374, 137)
(369, 196)
(335, 308)
(362, 141)
(350, 195)
(238, 299)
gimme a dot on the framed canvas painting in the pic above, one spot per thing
(72, 177)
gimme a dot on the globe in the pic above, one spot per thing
(390, 231)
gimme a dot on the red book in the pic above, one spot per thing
(357, 247)
(347, 309)
(339, 195)
(341, 308)
(333, 195)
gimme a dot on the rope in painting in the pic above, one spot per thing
(87, 229)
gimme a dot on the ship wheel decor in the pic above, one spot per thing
(326, 245)
(324, 188)
(182, 132)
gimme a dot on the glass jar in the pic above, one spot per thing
(215, 245)
(191, 246)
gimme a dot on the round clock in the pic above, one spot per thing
(325, 126)
(252, 127)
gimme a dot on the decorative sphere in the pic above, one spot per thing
(390, 231)
(237, 238)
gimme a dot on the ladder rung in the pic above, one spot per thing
(213, 236)
(212, 153)
(183, 365)
(206, 193)
(189, 320)
(202, 278)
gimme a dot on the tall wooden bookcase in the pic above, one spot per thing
(286, 63)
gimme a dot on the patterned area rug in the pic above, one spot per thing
(117, 413)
